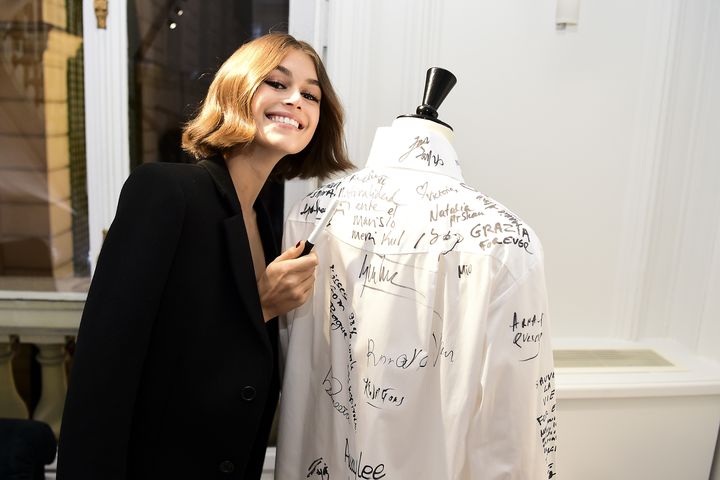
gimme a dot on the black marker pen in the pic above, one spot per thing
(310, 242)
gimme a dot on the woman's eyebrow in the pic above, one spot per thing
(289, 74)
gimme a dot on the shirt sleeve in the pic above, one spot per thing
(513, 431)
(116, 325)
(293, 232)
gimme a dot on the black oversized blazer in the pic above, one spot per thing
(175, 373)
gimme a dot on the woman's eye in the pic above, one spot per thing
(275, 85)
(311, 97)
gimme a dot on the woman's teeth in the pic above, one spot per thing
(285, 120)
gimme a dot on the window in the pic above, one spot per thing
(175, 48)
(43, 196)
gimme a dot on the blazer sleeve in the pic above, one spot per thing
(116, 325)
(513, 432)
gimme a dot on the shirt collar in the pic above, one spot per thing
(414, 149)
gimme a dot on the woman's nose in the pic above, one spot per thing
(293, 97)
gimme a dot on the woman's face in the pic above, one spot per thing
(286, 105)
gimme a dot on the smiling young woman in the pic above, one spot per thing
(286, 107)
(175, 372)
(226, 118)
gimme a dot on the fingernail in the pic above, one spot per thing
(298, 244)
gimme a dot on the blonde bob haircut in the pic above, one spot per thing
(225, 118)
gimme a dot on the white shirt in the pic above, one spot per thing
(424, 352)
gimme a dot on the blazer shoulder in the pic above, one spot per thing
(155, 186)
(159, 171)
(165, 177)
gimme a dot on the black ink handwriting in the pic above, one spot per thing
(318, 468)
(365, 472)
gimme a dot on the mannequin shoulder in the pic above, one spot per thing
(314, 203)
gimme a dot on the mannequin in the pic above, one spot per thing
(424, 351)
(408, 139)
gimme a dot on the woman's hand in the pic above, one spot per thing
(287, 282)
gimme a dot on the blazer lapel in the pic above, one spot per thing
(220, 175)
(238, 246)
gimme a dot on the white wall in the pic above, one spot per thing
(604, 137)
(682, 291)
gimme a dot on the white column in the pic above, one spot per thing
(308, 22)
(106, 115)
(54, 382)
(11, 404)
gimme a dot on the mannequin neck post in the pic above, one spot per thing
(415, 123)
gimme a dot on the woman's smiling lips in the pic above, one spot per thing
(285, 119)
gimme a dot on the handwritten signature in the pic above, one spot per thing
(318, 468)
(432, 159)
(373, 275)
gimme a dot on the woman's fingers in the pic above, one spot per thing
(287, 282)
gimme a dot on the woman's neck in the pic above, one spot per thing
(249, 168)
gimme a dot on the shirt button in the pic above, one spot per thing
(226, 466)
(248, 393)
